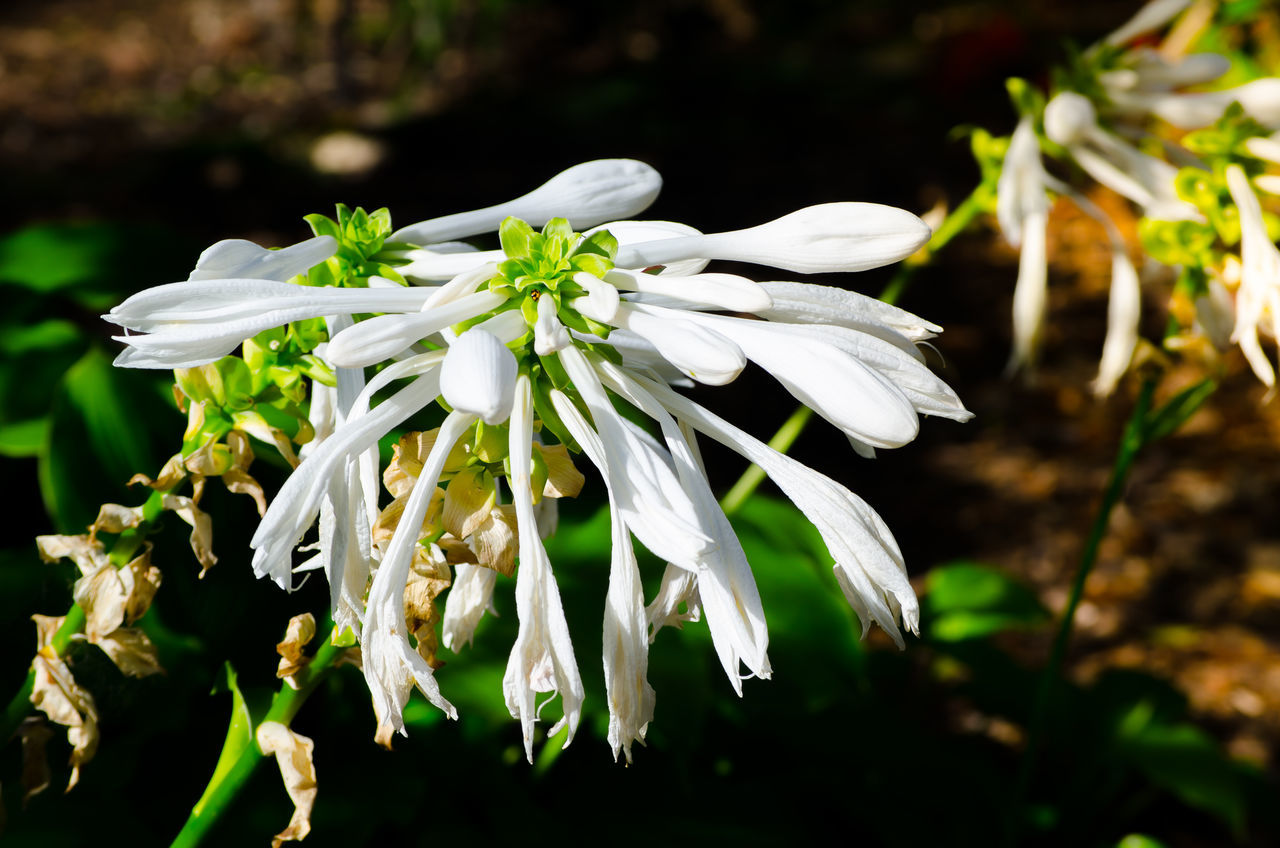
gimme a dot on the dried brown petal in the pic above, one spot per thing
(299, 633)
(496, 542)
(467, 501)
(131, 651)
(429, 576)
(406, 461)
(102, 596)
(202, 528)
(84, 552)
(170, 476)
(209, 460)
(140, 580)
(114, 518)
(294, 755)
(56, 694)
(564, 480)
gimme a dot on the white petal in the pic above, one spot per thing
(237, 258)
(716, 291)
(549, 335)
(384, 336)
(808, 303)
(391, 666)
(479, 376)
(698, 351)
(1150, 17)
(1020, 191)
(869, 564)
(295, 506)
(824, 238)
(586, 194)
(1030, 294)
(678, 588)
(1260, 99)
(635, 232)
(602, 296)
(542, 658)
(469, 598)
(653, 503)
(1124, 311)
(425, 264)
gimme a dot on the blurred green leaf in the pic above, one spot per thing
(966, 600)
(1138, 840)
(1189, 763)
(23, 438)
(100, 436)
(49, 257)
(42, 336)
(1177, 410)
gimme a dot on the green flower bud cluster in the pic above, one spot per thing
(360, 236)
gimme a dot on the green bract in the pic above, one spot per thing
(360, 235)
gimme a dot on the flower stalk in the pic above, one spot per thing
(224, 785)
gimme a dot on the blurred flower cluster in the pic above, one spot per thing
(1189, 138)
(493, 371)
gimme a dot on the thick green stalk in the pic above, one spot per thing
(222, 789)
(1135, 436)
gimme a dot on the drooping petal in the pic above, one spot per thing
(542, 658)
(386, 336)
(549, 335)
(1124, 311)
(1152, 16)
(479, 375)
(807, 303)
(470, 597)
(391, 666)
(700, 352)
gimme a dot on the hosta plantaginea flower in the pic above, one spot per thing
(527, 347)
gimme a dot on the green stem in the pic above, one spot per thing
(222, 789)
(1130, 444)
(951, 226)
(754, 475)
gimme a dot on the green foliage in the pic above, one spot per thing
(966, 600)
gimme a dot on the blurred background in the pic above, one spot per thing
(134, 134)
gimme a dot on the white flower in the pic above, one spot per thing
(1071, 120)
(548, 332)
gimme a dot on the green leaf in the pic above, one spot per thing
(24, 438)
(239, 735)
(1188, 762)
(46, 335)
(50, 257)
(966, 600)
(102, 432)
(1168, 418)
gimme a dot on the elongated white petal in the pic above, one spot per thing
(700, 352)
(678, 589)
(1149, 71)
(715, 291)
(1020, 191)
(1030, 293)
(469, 598)
(1193, 110)
(391, 666)
(824, 238)
(1259, 291)
(586, 194)
(240, 259)
(652, 501)
(626, 645)
(479, 376)
(385, 336)
(1150, 17)
(868, 565)
(636, 232)
(1124, 311)
(542, 658)
(808, 303)
(549, 335)
(837, 385)
(426, 265)
(295, 506)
